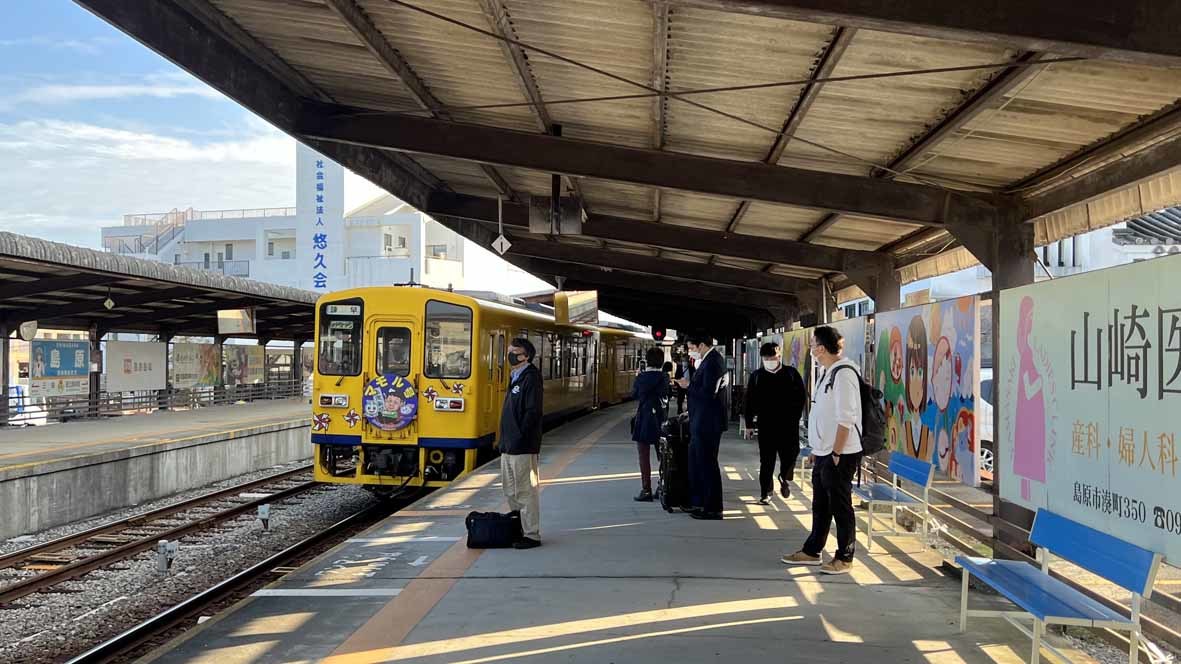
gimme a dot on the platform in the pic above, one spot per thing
(56, 474)
(616, 581)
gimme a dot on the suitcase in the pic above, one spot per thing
(674, 465)
(493, 530)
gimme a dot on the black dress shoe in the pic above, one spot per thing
(645, 496)
(707, 516)
(526, 543)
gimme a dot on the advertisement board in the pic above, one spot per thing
(59, 368)
(244, 364)
(195, 365)
(132, 366)
(1088, 381)
(927, 364)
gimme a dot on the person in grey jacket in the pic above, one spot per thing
(520, 441)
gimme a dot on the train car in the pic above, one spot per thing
(409, 381)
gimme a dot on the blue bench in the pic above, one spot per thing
(903, 467)
(1050, 601)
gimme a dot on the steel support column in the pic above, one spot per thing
(823, 307)
(5, 352)
(889, 290)
(96, 360)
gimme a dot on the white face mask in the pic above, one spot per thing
(770, 365)
(696, 355)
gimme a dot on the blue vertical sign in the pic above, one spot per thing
(321, 234)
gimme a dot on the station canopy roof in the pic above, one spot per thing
(723, 152)
(66, 287)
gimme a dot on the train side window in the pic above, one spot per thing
(448, 343)
(393, 351)
(536, 337)
(340, 338)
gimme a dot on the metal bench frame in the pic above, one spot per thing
(895, 505)
(1044, 556)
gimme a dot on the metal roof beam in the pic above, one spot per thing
(180, 312)
(982, 99)
(1134, 168)
(1141, 31)
(362, 26)
(208, 53)
(11, 290)
(1122, 142)
(684, 238)
(47, 314)
(656, 286)
(647, 265)
(905, 202)
(840, 41)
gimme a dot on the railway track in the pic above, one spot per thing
(63, 559)
(159, 629)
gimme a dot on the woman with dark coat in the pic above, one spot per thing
(649, 390)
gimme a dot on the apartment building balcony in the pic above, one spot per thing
(228, 268)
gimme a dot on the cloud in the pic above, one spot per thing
(65, 180)
(58, 94)
(92, 46)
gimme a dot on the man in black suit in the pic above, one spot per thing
(520, 441)
(707, 421)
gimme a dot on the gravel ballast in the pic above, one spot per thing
(52, 627)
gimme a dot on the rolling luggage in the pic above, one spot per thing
(674, 465)
(492, 530)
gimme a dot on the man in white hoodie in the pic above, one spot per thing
(834, 434)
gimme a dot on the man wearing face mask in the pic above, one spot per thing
(707, 421)
(520, 441)
(775, 395)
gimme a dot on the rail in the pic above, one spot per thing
(36, 411)
(138, 541)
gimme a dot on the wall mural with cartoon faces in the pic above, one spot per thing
(927, 366)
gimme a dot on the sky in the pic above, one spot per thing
(94, 126)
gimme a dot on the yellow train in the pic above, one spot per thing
(409, 381)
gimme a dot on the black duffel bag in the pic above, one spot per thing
(493, 530)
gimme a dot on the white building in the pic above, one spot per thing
(382, 242)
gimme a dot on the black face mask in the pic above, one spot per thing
(515, 358)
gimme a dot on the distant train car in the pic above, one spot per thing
(409, 381)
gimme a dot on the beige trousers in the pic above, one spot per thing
(518, 474)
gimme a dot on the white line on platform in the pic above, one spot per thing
(327, 592)
(400, 539)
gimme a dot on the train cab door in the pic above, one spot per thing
(499, 376)
(393, 355)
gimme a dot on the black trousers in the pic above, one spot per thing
(774, 444)
(705, 476)
(832, 500)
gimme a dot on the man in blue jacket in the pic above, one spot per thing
(520, 441)
(707, 421)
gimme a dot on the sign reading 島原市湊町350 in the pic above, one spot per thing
(1089, 386)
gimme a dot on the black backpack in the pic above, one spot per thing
(873, 414)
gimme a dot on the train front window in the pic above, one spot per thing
(393, 351)
(340, 338)
(448, 340)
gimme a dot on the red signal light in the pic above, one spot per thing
(658, 334)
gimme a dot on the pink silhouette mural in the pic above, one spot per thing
(1029, 444)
